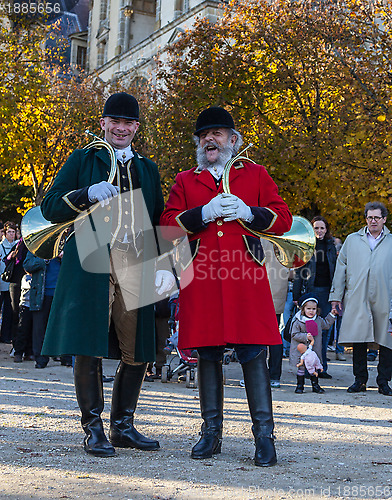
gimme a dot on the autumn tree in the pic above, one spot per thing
(308, 83)
(43, 109)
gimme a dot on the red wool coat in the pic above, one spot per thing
(228, 301)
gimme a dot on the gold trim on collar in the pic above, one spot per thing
(240, 165)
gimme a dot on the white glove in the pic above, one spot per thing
(164, 281)
(234, 208)
(102, 192)
(212, 210)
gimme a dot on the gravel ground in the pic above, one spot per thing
(335, 445)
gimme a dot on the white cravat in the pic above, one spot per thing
(216, 171)
(124, 154)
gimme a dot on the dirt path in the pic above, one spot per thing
(335, 445)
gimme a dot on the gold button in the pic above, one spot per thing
(126, 227)
(126, 213)
(126, 200)
(106, 219)
(219, 222)
(220, 233)
(108, 207)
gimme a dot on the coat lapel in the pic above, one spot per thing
(205, 178)
(104, 164)
(235, 172)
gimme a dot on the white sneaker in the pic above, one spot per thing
(340, 356)
(275, 384)
(12, 353)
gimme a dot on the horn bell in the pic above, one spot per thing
(42, 238)
(296, 247)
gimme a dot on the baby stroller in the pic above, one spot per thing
(187, 365)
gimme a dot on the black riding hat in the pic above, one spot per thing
(121, 105)
(213, 117)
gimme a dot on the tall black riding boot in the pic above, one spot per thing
(315, 384)
(258, 391)
(210, 377)
(300, 384)
(126, 389)
(89, 393)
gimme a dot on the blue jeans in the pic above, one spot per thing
(335, 329)
(288, 309)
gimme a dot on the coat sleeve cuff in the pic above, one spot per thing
(264, 219)
(78, 200)
(191, 220)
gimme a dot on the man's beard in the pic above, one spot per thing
(225, 154)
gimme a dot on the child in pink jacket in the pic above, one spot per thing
(307, 326)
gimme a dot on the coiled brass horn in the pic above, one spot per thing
(294, 248)
(45, 239)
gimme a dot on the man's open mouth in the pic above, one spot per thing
(211, 147)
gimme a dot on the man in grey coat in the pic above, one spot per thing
(362, 282)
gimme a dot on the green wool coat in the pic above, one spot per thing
(79, 318)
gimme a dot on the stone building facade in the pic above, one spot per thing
(123, 36)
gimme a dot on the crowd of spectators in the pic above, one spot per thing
(26, 298)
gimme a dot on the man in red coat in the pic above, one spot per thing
(228, 300)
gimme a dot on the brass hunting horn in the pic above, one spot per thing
(294, 248)
(45, 239)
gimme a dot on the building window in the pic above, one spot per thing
(81, 56)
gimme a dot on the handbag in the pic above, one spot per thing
(6, 275)
(287, 328)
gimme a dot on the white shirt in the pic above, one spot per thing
(372, 240)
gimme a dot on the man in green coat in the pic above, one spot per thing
(94, 303)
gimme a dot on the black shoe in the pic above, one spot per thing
(265, 454)
(258, 392)
(66, 360)
(315, 385)
(89, 393)
(209, 444)
(18, 358)
(107, 380)
(385, 389)
(126, 389)
(149, 377)
(210, 376)
(39, 366)
(357, 387)
(96, 443)
(300, 384)
(324, 375)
